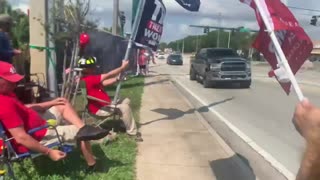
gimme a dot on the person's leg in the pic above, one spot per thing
(68, 134)
(69, 114)
(126, 114)
(127, 117)
(145, 70)
(87, 153)
(85, 132)
(138, 70)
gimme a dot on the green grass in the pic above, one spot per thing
(116, 160)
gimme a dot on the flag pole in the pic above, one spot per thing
(279, 52)
(130, 43)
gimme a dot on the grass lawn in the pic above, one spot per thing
(116, 159)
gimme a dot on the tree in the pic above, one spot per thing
(239, 40)
(20, 31)
(69, 18)
(19, 36)
(162, 46)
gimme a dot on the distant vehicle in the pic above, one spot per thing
(157, 53)
(175, 59)
(212, 66)
(161, 56)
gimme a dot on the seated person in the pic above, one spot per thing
(95, 87)
(18, 119)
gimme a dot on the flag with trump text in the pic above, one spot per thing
(150, 26)
(190, 5)
(295, 43)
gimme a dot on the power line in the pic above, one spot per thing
(292, 7)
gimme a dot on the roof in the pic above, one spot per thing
(316, 44)
(315, 51)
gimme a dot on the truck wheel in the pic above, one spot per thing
(245, 85)
(206, 83)
(193, 75)
(198, 78)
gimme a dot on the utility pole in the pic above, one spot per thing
(135, 4)
(182, 46)
(229, 39)
(122, 22)
(52, 74)
(115, 17)
(219, 24)
(197, 43)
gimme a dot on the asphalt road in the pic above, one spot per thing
(263, 112)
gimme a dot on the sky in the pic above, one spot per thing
(226, 13)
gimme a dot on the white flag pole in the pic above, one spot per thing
(277, 46)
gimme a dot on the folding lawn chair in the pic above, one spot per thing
(81, 105)
(9, 155)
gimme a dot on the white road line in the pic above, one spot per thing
(268, 157)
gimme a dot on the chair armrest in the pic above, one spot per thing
(38, 129)
(97, 99)
(50, 124)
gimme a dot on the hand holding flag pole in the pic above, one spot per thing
(130, 43)
(284, 69)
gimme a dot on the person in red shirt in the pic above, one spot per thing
(17, 119)
(142, 62)
(95, 87)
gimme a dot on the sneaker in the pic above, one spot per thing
(99, 166)
(137, 137)
(91, 169)
(87, 133)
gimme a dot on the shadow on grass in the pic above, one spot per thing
(73, 167)
(173, 113)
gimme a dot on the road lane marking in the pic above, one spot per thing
(268, 157)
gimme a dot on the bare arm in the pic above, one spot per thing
(21, 136)
(307, 122)
(310, 165)
(111, 74)
(109, 82)
(40, 107)
(115, 72)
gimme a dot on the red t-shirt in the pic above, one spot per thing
(14, 114)
(142, 60)
(95, 89)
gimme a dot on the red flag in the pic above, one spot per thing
(295, 43)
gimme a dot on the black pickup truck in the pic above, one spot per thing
(212, 66)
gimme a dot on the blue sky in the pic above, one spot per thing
(232, 14)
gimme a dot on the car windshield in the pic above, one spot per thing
(175, 57)
(212, 53)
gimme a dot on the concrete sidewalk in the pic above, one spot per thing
(178, 144)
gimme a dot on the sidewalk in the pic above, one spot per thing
(177, 144)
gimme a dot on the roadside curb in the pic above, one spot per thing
(264, 165)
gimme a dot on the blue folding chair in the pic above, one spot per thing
(9, 155)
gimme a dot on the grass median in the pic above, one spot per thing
(116, 159)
